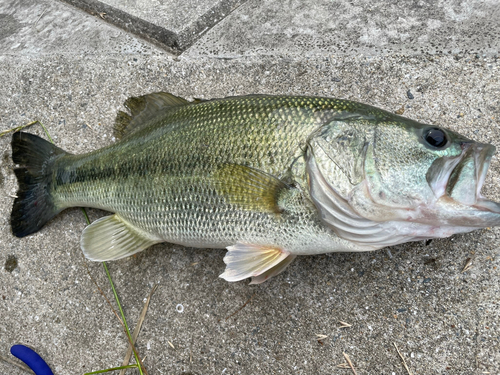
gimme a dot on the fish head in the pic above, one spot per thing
(424, 180)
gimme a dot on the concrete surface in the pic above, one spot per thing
(72, 72)
(344, 27)
(31, 28)
(174, 24)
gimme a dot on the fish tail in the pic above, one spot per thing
(34, 205)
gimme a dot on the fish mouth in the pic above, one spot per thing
(462, 178)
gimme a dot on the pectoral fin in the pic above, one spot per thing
(249, 188)
(111, 238)
(256, 261)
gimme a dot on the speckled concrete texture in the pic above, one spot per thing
(443, 320)
(343, 27)
(31, 28)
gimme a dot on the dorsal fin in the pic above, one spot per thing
(142, 109)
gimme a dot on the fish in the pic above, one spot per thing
(266, 177)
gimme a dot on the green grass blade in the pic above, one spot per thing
(86, 216)
(111, 369)
(18, 128)
(46, 132)
(123, 316)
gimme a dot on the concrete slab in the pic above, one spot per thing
(174, 24)
(443, 320)
(323, 27)
(32, 27)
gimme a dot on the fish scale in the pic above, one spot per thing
(162, 177)
(267, 177)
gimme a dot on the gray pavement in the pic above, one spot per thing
(343, 27)
(174, 24)
(72, 71)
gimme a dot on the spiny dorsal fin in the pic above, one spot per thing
(142, 109)
(249, 188)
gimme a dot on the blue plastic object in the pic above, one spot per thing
(32, 359)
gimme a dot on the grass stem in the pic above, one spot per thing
(137, 359)
(110, 369)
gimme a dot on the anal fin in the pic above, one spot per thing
(259, 262)
(111, 238)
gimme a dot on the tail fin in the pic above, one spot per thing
(33, 206)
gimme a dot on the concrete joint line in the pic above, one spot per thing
(172, 41)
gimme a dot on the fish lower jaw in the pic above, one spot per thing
(447, 212)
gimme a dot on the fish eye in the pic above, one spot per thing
(436, 138)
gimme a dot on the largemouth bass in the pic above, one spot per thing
(267, 177)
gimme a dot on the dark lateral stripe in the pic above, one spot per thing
(143, 168)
